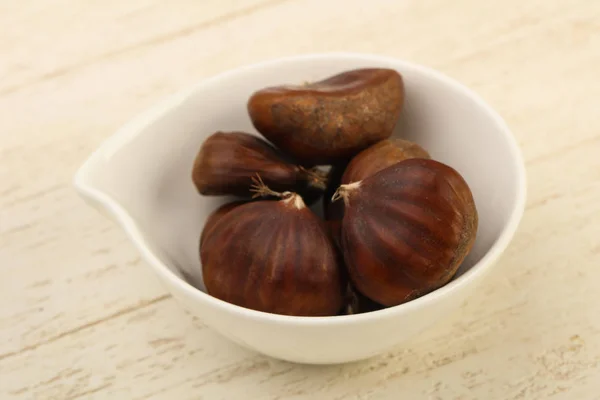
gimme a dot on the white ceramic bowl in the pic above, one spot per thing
(140, 177)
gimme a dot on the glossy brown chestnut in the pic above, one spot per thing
(406, 229)
(274, 256)
(333, 119)
(216, 215)
(368, 162)
(380, 156)
(227, 162)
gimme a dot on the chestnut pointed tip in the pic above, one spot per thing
(344, 191)
(336, 196)
(294, 200)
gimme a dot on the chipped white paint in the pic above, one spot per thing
(82, 318)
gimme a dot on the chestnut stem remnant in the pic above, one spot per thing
(344, 191)
(261, 190)
(316, 177)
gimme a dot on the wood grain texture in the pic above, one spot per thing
(81, 317)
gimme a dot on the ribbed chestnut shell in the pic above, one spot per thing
(368, 162)
(330, 120)
(228, 161)
(273, 256)
(407, 229)
(215, 216)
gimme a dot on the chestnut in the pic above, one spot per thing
(366, 163)
(274, 256)
(327, 121)
(406, 229)
(227, 162)
(379, 156)
(216, 215)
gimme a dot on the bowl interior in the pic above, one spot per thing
(149, 173)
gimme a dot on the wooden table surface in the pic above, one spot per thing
(82, 317)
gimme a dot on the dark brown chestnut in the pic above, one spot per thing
(406, 229)
(273, 256)
(216, 215)
(227, 162)
(333, 119)
(368, 162)
(380, 156)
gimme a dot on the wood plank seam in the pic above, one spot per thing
(127, 310)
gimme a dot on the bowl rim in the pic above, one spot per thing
(141, 121)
